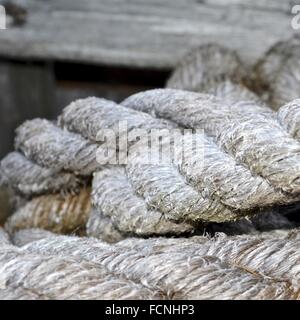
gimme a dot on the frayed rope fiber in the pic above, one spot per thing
(89, 269)
(249, 175)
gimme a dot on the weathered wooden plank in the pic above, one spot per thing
(26, 92)
(144, 33)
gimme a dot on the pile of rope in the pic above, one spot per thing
(65, 182)
(41, 265)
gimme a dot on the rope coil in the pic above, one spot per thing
(250, 171)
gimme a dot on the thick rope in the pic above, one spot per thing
(252, 138)
(215, 70)
(197, 276)
(43, 276)
(145, 179)
(57, 213)
(114, 197)
(227, 83)
(49, 146)
(276, 74)
(90, 116)
(26, 236)
(252, 164)
(76, 117)
(28, 178)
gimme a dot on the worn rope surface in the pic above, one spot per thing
(252, 138)
(280, 198)
(77, 116)
(49, 146)
(213, 69)
(43, 276)
(28, 178)
(198, 275)
(277, 74)
(57, 213)
(250, 169)
(70, 151)
(115, 198)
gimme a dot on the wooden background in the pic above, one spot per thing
(72, 48)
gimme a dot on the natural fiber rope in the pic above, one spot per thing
(57, 213)
(28, 178)
(276, 75)
(88, 117)
(197, 275)
(249, 168)
(98, 107)
(252, 138)
(205, 71)
(114, 197)
(26, 236)
(213, 69)
(76, 117)
(43, 276)
(49, 146)
(102, 227)
(97, 113)
(38, 130)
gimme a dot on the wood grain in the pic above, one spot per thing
(149, 33)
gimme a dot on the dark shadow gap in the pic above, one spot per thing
(110, 75)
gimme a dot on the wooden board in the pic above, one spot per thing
(27, 91)
(144, 33)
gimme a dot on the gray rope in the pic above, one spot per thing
(197, 275)
(252, 138)
(76, 116)
(276, 73)
(213, 69)
(49, 146)
(42, 276)
(102, 228)
(26, 236)
(90, 116)
(114, 197)
(29, 179)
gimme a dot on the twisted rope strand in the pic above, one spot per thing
(49, 146)
(114, 196)
(151, 264)
(77, 117)
(271, 153)
(53, 277)
(28, 178)
(60, 214)
(276, 73)
(213, 69)
(88, 117)
(102, 228)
